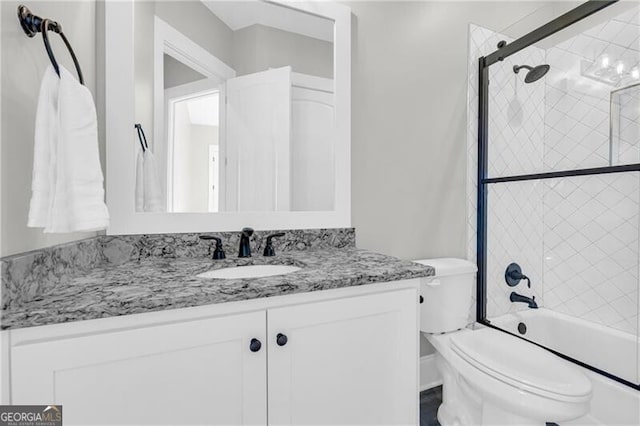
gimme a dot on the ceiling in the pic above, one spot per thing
(242, 14)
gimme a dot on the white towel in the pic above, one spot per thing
(148, 194)
(43, 180)
(67, 176)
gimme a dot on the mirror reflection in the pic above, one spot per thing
(625, 125)
(237, 103)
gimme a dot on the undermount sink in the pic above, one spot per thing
(251, 271)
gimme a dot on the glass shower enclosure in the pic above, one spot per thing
(558, 187)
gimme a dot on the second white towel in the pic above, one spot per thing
(148, 193)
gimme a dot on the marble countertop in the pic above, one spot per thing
(156, 284)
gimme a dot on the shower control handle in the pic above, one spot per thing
(513, 275)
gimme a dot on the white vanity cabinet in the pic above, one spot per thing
(345, 362)
(322, 360)
(192, 372)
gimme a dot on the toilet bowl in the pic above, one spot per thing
(491, 377)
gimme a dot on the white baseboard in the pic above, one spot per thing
(429, 374)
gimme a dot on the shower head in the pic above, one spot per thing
(534, 74)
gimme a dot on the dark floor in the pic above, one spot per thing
(429, 402)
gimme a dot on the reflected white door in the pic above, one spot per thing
(257, 141)
(194, 372)
(214, 173)
(312, 145)
(346, 362)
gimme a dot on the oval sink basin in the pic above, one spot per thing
(251, 271)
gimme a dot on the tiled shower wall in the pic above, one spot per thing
(577, 238)
(591, 248)
(590, 223)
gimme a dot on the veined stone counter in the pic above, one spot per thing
(156, 283)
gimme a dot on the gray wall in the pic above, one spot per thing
(409, 104)
(258, 48)
(23, 63)
(176, 73)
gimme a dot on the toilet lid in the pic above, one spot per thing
(520, 363)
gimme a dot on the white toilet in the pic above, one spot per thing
(490, 377)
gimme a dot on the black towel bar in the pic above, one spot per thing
(32, 24)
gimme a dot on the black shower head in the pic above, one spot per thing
(534, 74)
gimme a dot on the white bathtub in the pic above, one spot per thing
(602, 347)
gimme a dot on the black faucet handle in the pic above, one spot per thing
(513, 275)
(268, 248)
(276, 235)
(218, 252)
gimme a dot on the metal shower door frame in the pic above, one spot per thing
(484, 62)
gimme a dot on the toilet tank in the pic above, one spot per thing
(447, 296)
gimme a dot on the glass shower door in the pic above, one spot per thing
(560, 193)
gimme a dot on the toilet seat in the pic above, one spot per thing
(522, 365)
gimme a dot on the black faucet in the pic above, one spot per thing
(531, 301)
(245, 246)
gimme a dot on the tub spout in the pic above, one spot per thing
(531, 301)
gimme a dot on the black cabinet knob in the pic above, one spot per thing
(255, 345)
(421, 299)
(281, 339)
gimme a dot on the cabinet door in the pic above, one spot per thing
(194, 372)
(349, 361)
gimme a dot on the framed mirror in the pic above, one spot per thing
(245, 109)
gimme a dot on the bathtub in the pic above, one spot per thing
(602, 347)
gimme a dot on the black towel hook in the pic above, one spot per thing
(142, 137)
(32, 24)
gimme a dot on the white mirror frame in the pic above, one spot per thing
(122, 145)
